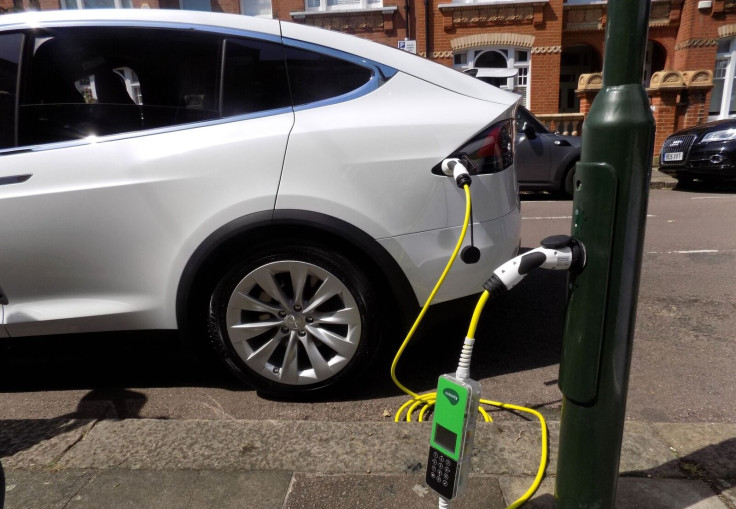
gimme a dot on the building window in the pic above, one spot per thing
(259, 8)
(507, 68)
(723, 97)
(342, 5)
(96, 4)
(195, 5)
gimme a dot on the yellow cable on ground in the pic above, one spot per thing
(436, 288)
(427, 401)
(542, 462)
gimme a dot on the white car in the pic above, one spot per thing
(266, 186)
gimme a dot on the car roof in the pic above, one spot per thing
(401, 60)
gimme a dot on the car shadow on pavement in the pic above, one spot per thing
(518, 331)
(698, 186)
(19, 434)
(104, 360)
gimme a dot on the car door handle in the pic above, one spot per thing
(14, 179)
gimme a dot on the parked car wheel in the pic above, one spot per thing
(568, 186)
(294, 318)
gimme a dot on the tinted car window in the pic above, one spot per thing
(525, 119)
(316, 77)
(87, 81)
(10, 47)
(254, 77)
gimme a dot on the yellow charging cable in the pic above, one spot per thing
(427, 401)
(436, 288)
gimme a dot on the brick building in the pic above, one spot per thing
(547, 50)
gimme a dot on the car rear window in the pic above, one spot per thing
(317, 77)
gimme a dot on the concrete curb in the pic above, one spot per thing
(160, 463)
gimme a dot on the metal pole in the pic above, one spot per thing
(609, 213)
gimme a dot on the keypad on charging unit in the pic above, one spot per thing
(441, 472)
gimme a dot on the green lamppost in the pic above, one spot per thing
(609, 213)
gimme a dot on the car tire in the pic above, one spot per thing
(295, 318)
(568, 182)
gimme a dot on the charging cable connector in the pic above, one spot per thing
(458, 169)
(559, 252)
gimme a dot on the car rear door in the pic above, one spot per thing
(132, 146)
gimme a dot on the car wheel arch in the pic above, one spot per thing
(217, 250)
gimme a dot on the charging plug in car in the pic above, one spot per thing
(460, 168)
(559, 252)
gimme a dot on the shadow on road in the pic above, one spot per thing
(698, 186)
(105, 362)
(518, 331)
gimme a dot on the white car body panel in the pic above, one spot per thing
(374, 143)
(165, 193)
(394, 144)
(366, 161)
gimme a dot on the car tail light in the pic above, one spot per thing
(491, 150)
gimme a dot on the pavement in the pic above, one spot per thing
(661, 181)
(141, 463)
(74, 463)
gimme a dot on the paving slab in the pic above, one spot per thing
(710, 446)
(632, 493)
(644, 452)
(143, 489)
(29, 443)
(43, 490)
(313, 491)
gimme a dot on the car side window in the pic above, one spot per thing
(524, 119)
(254, 77)
(10, 50)
(90, 81)
(316, 77)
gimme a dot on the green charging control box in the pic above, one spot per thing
(453, 429)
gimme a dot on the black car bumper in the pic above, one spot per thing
(710, 161)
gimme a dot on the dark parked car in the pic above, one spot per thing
(544, 160)
(706, 152)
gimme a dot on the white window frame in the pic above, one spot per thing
(727, 76)
(521, 80)
(342, 5)
(260, 11)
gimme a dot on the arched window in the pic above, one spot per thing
(505, 67)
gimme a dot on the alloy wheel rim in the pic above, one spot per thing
(293, 322)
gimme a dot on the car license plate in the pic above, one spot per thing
(673, 156)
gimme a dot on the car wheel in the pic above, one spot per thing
(568, 183)
(293, 319)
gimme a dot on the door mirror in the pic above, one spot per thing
(529, 132)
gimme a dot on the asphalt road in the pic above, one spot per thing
(682, 368)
